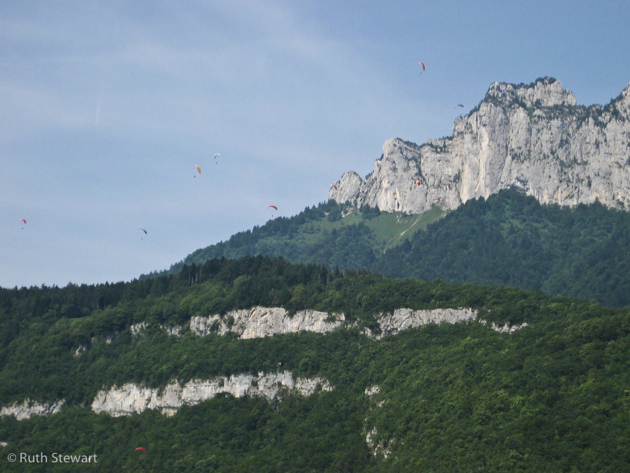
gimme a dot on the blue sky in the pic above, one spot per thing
(107, 106)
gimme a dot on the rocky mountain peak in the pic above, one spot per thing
(545, 92)
(533, 137)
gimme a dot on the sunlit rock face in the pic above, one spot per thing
(28, 408)
(404, 319)
(532, 137)
(261, 322)
(130, 398)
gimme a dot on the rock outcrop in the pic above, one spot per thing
(261, 322)
(533, 137)
(130, 398)
(404, 319)
(29, 408)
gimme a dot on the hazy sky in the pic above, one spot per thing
(107, 106)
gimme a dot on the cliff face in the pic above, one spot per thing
(257, 322)
(260, 322)
(263, 322)
(130, 398)
(28, 409)
(533, 137)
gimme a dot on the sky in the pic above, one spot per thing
(107, 106)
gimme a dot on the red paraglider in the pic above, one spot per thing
(419, 182)
(23, 220)
(423, 68)
(141, 448)
(332, 185)
(272, 207)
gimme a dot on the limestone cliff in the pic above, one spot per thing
(533, 137)
(260, 322)
(28, 408)
(404, 319)
(130, 398)
(263, 322)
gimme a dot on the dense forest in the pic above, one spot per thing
(508, 239)
(552, 396)
(514, 240)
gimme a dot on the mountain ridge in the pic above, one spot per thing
(534, 137)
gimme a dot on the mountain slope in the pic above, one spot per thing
(335, 235)
(512, 239)
(528, 382)
(508, 239)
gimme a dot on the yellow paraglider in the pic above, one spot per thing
(198, 169)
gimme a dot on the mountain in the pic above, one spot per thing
(522, 140)
(531, 136)
(236, 362)
(257, 364)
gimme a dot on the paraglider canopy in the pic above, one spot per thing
(23, 220)
(272, 207)
(458, 105)
(198, 168)
(334, 186)
(419, 182)
(142, 230)
(142, 449)
(423, 68)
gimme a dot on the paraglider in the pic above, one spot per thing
(334, 187)
(142, 449)
(423, 68)
(419, 182)
(198, 169)
(141, 230)
(23, 220)
(272, 207)
(458, 105)
(217, 155)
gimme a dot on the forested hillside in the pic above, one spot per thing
(514, 240)
(508, 239)
(550, 396)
